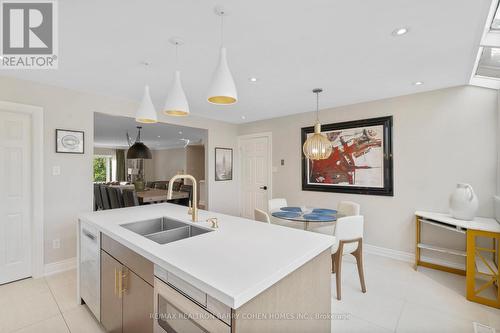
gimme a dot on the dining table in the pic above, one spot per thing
(306, 215)
(153, 195)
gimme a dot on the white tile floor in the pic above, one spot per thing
(398, 299)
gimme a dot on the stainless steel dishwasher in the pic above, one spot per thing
(90, 268)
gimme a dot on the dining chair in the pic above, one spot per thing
(348, 240)
(348, 208)
(188, 189)
(114, 200)
(104, 197)
(276, 203)
(130, 198)
(98, 197)
(261, 216)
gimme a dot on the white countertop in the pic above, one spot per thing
(479, 223)
(233, 264)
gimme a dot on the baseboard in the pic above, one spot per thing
(59, 266)
(389, 253)
(407, 256)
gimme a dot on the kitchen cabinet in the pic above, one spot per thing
(111, 303)
(126, 298)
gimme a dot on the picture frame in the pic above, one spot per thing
(70, 141)
(361, 161)
(223, 164)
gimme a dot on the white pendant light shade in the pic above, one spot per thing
(223, 90)
(317, 146)
(176, 103)
(146, 112)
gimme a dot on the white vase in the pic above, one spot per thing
(463, 203)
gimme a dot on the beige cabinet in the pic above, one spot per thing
(126, 297)
(111, 303)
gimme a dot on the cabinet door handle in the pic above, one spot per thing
(263, 187)
(116, 281)
(120, 283)
(122, 287)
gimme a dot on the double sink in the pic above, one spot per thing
(164, 230)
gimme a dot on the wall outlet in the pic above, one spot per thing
(56, 243)
(56, 170)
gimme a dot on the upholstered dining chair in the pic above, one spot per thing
(130, 198)
(114, 195)
(104, 197)
(261, 216)
(98, 197)
(276, 203)
(348, 208)
(349, 240)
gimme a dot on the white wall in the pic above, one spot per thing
(69, 194)
(440, 138)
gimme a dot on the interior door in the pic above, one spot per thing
(111, 302)
(15, 196)
(255, 166)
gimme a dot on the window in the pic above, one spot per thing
(102, 168)
(489, 62)
(495, 23)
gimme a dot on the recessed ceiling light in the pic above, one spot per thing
(159, 136)
(400, 31)
(253, 79)
(180, 132)
(243, 117)
(418, 83)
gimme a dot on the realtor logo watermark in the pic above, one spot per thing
(29, 34)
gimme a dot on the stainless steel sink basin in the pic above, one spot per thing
(164, 230)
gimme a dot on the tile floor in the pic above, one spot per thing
(398, 299)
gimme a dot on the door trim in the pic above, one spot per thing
(269, 136)
(37, 221)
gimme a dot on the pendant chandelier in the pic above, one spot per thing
(317, 146)
(146, 113)
(139, 150)
(176, 103)
(222, 90)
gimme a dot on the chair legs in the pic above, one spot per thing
(337, 265)
(358, 254)
(338, 269)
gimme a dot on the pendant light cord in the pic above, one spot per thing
(222, 29)
(176, 56)
(317, 107)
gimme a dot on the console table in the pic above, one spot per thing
(481, 268)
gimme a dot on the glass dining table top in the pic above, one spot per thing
(306, 214)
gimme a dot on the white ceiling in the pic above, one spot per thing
(110, 132)
(345, 47)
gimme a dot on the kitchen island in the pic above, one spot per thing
(245, 275)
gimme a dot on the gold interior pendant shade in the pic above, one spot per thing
(317, 146)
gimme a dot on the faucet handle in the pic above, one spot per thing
(214, 221)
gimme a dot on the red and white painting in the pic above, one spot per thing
(358, 161)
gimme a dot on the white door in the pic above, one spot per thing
(255, 174)
(15, 196)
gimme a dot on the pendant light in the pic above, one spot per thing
(176, 103)
(146, 113)
(139, 149)
(222, 90)
(317, 146)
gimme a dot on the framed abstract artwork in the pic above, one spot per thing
(361, 159)
(223, 164)
(70, 142)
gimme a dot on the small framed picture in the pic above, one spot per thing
(223, 164)
(70, 142)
